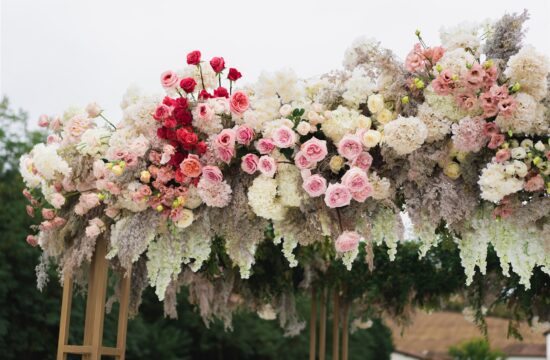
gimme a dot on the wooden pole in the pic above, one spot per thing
(345, 330)
(92, 345)
(323, 324)
(313, 324)
(336, 325)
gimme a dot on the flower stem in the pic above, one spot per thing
(106, 120)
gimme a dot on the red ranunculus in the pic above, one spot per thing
(234, 74)
(218, 64)
(203, 95)
(188, 84)
(221, 92)
(194, 57)
(201, 148)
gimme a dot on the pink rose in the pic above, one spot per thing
(267, 165)
(212, 174)
(363, 161)
(361, 196)
(169, 79)
(314, 149)
(355, 179)
(53, 139)
(48, 214)
(249, 163)
(315, 185)
(284, 137)
(265, 146)
(350, 147)
(239, 103)
(57, 200)
(244, 134)
(337, 195)
(162, 112)
(503, 155)
(302, 162)
(225, 154)
(347, 241)
(204, 112)
(226, 138)
(191, 166)
(32, 240)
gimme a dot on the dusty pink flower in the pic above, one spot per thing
(225, 154)
(337, 195)
(32, 240)
(489, 104)
(363, 195)
(350, 147)
(507, 106)
(499, 92)
(315, 185)
(355, 179)
(57, 200)
(415, 60)
(265, 146)
(92, 231)
(535, 183)
(302, 162)
(249, 163)
(226, 138)
(58, 221)
(490, 77)
(284, 137)
(363, 161)
(503, 155)
(30, 210)
(468, 134)
(86, 202)
(347, 241)
(467, 100)
(474, 77)
(314, 149)
(490, 129)
(169, 79)
(212, 174)
(53, 139)
(244, 134)
(496, 141)
(43, 121)
(267, 165)
(48, 214)
(214, 194)
(440, 87)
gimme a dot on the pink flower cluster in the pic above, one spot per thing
(422, 59)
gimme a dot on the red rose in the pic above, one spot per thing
(234, 74)
(221, 92)
(161, 133)
(203, 95)
(194, 57)
(181, 102)
(188, 84)
(178, 176)
(170, 123)
(168, 101)
(161, 112)
(176, 159)
(201, 148)
(170, 134)
(218, 64)
(187, 139)
(182, 115)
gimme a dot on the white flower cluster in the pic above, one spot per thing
(165, 256)
(262, 197)
(387, 228)
(358, 88)
(438, 126)
(43, 164)
(530, 69)
(358, 51)
(456, 61)
(344, 121)
(405, 134)
(528, 118)
(498, 180)
(461, 36)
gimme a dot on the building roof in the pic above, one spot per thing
(430, 335)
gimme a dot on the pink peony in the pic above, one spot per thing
(212, 174)
(347, 241)
(315, 185)
(267, 165)
(284, 137)
(350, 147)
(265, 146)
(314, 149)
(244, 134)
(302, 162)
(239, 103)
(363, 161)
(355, 179)
(249, 163)
(337, 195)
(169, 79)
(536, 183)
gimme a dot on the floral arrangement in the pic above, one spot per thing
(455, 139)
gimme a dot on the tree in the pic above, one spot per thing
(475, 349)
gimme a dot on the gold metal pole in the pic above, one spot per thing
(323, 325)
(313, 324)
(336, 325)
(345, 330)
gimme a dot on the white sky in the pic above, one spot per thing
(58, 53)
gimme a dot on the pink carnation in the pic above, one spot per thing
(314, 149)
(215, 194)
(350, 147)
(337, 195)
(347, 241)
(284, 137)
(249, 163)
(468, 134)
(315, 185)
(267, 165)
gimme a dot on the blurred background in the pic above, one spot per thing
(59, 53)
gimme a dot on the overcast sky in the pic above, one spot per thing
(59, 53)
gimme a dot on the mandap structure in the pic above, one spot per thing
(249, 195)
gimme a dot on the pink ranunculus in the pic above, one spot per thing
(267, 165)
(496, 141)
(32, 240)
(48, 214)
(302, 162)
(284, 137)
(363, 195)
(191, 166)
(169, 79)
(314, 149)
(204, 112)
(350, 147)
(265, 146)
(315, 185)
(507, 106)
(355, 179)
(337, 195)
(57, 200)
(244, 134)
(226, 138)
(363, 161)
(225, 154)
(503, 155)
(536, 183)
(347, 241)
(212, 174)
(249, 163)
(239, 103)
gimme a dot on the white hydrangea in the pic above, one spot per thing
(262, 198)
(495, 183)
(438, 127)
(264, 109)
(358, 88)
(528, 118)
(358, 50)
(444, 106)
(137, 111)
(94, 141)
(461, 36)
(456, 61)
(289, 185)
(381, 187)
(530, 69)
(283, 83)
(47, 162)
(405, 134)
(343, 121)
(26, 168)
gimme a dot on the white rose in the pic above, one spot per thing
(539, 146)
(384, 116)
(518, 153)
(375, 103)
(371, 138)
(186, 219)
(527, 143)
(285, 110)
(520, 168)
(303, 128)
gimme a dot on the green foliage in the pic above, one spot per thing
(475, 349)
